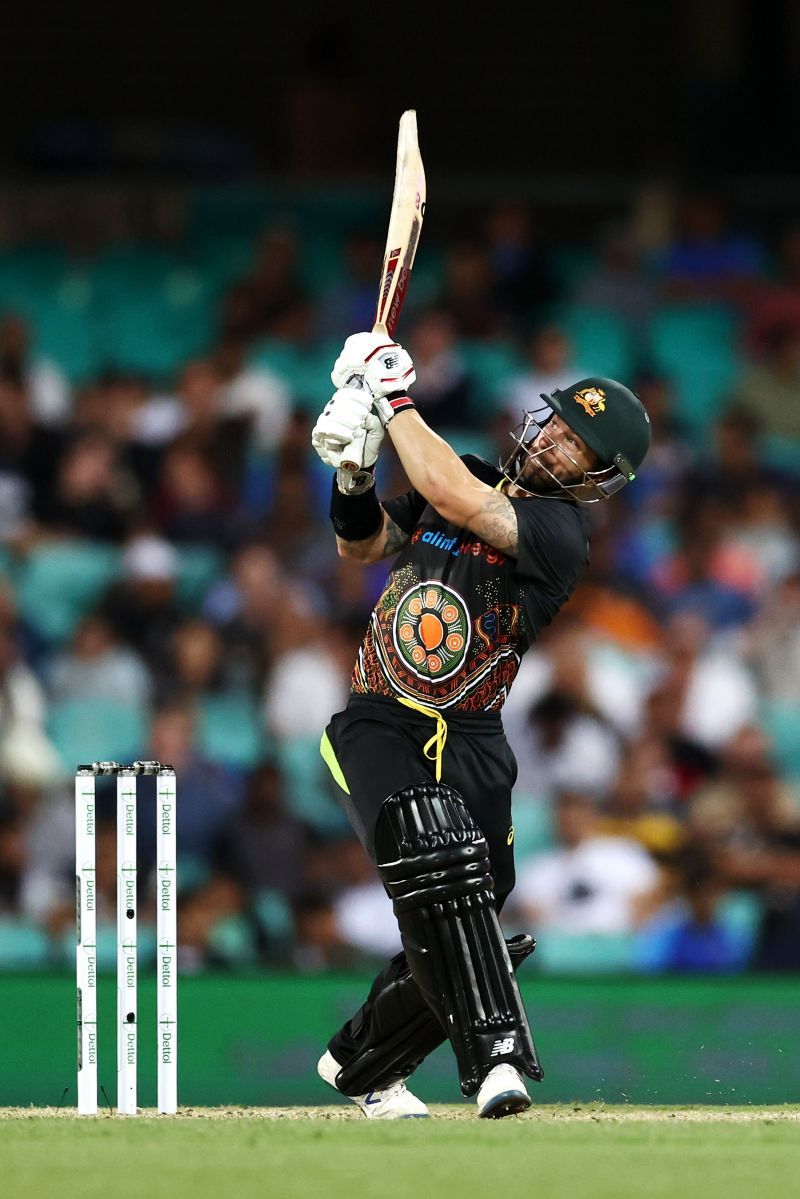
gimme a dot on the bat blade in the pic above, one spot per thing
(405, 226)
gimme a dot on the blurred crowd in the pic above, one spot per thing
(171, 590)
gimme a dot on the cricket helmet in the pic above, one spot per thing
(608, 417)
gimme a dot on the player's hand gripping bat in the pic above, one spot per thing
(405, 226)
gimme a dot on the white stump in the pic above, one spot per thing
(167, 941)
(86, 948)
(126, 942)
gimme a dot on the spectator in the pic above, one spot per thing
(589, 883)
(770, 386)
(523, 285)
(443, 388)
(551, 367)
(43, 381)
(91, 494)
(750, 821)
(619, 285)
(690, 936)
(142, 608)
(318, 940)
(97, 664)
(264, 847)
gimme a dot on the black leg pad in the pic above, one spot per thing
(403, 1030)
(434, 862)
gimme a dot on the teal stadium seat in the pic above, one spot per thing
(491, 368)
(697, 349)
(231, 732)
(232, 941)
(600, 340)
(309, 790)
(199, 567)
(533, 825)
(307, 373)
(89, 730)
(274, 918)
(781, 719)
(23, 945)
(586, 953)
(60, 581)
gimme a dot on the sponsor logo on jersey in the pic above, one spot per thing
(459, 546)
(592, 400)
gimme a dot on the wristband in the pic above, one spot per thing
(398, 401)
(355, 517)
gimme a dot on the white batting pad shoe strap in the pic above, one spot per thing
(503, 1093)
(392, 1103)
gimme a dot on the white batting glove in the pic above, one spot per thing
(383, 364)
(342, 417)
(389, 369)
(353, 358)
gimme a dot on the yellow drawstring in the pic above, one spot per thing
(439, 737)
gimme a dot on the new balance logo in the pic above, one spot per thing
(504, 1045)
(369, 1100)
(390, 361)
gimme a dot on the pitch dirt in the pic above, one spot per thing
(549, 1113)
(566, 1152)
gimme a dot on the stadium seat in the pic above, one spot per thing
(585, 953)
(23, 945)
(696, 348)
(600, 340)
(88, 730)
(274, 918)
(233, 941)
(491, 368)
(199, 567)
(61, 581)
(230, 731)
(309, 787)
(533, 825)
(781, 720)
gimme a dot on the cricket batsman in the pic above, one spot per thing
(484, 558)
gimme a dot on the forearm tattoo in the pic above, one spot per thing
(496, 522)
(395, 538)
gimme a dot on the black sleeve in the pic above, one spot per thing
(553, 543)
(405, 510)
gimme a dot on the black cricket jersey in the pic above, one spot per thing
(456, 614)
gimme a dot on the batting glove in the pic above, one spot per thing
(348, 435)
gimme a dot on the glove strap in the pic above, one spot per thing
(387, 407)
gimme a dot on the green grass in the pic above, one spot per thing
(555, 1153)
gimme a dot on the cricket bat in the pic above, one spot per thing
(405, 226)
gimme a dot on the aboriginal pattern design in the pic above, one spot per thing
(431, 630)
(423, 643)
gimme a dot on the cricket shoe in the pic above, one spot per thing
(502, 1093)
(394, 1102)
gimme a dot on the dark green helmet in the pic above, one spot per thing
(607, 416)
(612, 421)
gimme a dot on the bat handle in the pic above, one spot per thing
(358, 381)
(349, 464)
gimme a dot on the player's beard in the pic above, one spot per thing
(535, 476)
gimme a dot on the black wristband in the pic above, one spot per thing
(355, 517)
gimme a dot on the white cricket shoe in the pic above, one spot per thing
(502, 1093)
(392, 1103)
